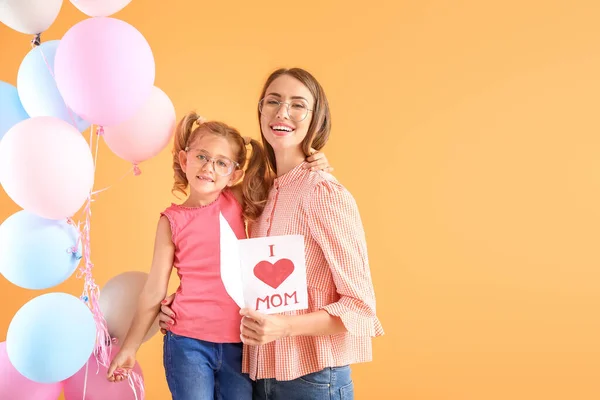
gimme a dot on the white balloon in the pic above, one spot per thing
(118, 303)
(29, 16)
(100, 8)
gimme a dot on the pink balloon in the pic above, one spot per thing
(98, 387)
(147, 133)
(46, 167)
(15, 386)
(104, 70)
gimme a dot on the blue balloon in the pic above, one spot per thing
(37, 253)
(51, 337)
(37, 87)
(11, 109)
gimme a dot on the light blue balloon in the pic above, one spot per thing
(36, 253)
(37, 87)
(51, 337)
(11, 109)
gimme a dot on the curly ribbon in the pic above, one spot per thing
(91, 291)
(136, 380)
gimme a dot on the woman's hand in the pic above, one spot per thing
(258, 328)
(166, 316)
(317, 161)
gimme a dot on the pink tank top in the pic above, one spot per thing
(202, 307)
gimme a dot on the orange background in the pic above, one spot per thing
(468, 133)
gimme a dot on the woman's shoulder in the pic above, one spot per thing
(323, 188)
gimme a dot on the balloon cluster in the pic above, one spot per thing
(98, 76)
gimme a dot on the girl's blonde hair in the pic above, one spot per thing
(255, 184)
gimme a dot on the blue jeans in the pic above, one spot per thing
(328, 384)
(199, 370)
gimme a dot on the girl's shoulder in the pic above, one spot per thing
(234, 194)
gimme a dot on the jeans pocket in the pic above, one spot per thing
(175, 336)
(347, 392)
(320, 378)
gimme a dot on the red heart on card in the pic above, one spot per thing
(274, 274)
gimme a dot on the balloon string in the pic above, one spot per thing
(91, 291)
(85, 379)
(136, 380)
(51, 71)
(129, 171)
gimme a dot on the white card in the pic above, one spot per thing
(231, 273)
(271, 271)
(274, 273)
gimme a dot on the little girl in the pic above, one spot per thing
(203, 351)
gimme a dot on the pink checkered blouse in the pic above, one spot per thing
(315, 205)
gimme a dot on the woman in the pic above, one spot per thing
(306, 354)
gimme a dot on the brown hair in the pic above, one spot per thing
(320, 124)
(254, 186)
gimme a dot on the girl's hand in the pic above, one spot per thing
(166, 316)
(258, 328)
(121, 365)
(317, 161)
